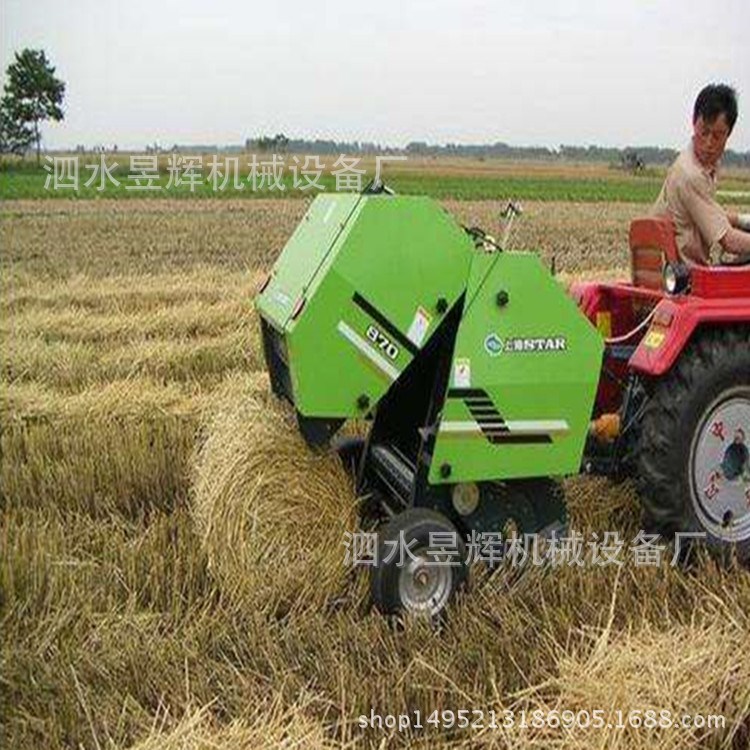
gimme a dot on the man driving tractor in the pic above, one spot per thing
(689, 191)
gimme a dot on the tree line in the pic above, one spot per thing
(629, 157)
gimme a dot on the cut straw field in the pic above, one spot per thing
(171, 556)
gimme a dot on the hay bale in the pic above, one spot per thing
(272, 514)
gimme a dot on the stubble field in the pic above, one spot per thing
(171, 557)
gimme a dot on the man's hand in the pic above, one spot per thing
(735, 244)
(739, 221)
(734, 259)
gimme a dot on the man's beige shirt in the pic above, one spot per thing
(689, 196)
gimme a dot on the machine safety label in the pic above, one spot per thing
(419, 326)
(462, 373)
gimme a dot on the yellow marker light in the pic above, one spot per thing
(604, 323)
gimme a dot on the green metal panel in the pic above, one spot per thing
(303, 254)
(371, 301)
(332, 360)
(523, 377)
(404, 253)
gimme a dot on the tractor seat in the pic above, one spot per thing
(652, 244)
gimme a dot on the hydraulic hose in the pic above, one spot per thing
(630, 334)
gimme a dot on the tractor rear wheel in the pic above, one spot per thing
(693, 460)
(407, 578)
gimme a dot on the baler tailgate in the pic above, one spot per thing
(305, 252)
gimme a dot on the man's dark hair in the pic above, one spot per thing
(714, 100)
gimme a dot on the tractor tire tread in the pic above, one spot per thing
(676, 401)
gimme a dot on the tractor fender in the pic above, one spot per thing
(590, 297)
(673, 324)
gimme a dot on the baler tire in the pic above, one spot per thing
(388, 582)
(713, 368)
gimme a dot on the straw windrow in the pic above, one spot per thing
(171, 554)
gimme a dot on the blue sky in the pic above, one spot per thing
(533, 73)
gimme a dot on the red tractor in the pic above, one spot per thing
(673, 404)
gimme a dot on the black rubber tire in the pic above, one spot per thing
(715, 362)
(416, 524)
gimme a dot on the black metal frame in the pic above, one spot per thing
(615, 460)
(405, 420)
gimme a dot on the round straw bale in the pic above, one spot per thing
(272, 513)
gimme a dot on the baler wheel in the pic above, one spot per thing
(411, 582)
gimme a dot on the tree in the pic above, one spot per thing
(32, 95)
(15, 137)
(278, 143)
(632, 161)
